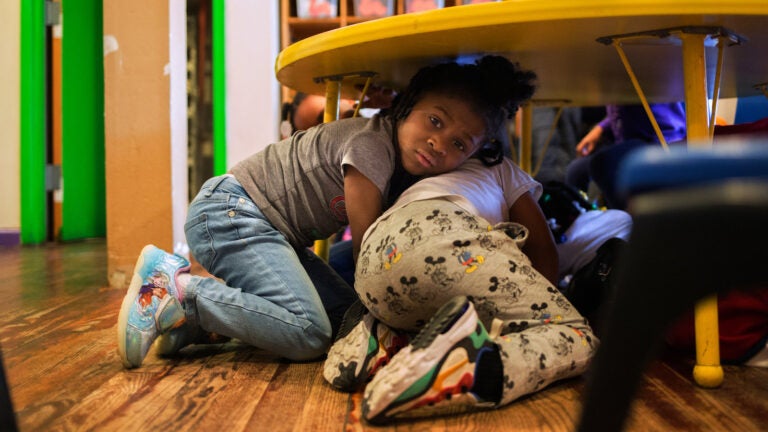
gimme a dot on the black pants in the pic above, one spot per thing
(602, 167)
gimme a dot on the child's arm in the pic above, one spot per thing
(540, 246)
(363, 202)
(589, 142)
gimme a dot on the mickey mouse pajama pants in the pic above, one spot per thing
(429, 251)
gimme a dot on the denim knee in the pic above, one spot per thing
(316, 341)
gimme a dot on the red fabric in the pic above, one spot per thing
(759, 127)
(743, 320)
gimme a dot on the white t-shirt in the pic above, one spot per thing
(587, 233)
(488, 192)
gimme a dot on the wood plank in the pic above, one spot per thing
(325, 408)
(204, 392)
(58, 334)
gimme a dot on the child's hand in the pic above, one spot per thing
(589, 142)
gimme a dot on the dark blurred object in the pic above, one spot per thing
(592, 285)
(7, 416)
(561, 205)
(699, 215)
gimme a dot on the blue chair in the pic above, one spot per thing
(700, 214)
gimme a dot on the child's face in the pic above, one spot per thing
(439, 134)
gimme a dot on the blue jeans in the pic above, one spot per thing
(273, 296)
(341, 259)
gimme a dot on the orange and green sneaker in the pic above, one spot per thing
(437, 373)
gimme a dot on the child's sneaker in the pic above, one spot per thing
(363, 346)
(438, 372)
(152, 304)
(169, 344)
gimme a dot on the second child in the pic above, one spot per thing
(475, 242)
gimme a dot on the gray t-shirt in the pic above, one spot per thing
(298, 183)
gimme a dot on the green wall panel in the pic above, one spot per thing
(82, 99)
(219, 87)
(33, 123)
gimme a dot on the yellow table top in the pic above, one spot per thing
(555, 38)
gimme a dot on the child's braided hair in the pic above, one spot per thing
(492, 85)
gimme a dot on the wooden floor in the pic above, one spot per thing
(58, 321)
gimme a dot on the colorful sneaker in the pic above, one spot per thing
(436, 373)
(363, 346)
(152, 304)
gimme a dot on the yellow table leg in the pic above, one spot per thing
(332, 99)
(708, 372)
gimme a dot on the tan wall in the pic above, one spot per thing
(9, 115)
(137, 132)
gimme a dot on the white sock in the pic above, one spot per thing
(182, 280)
